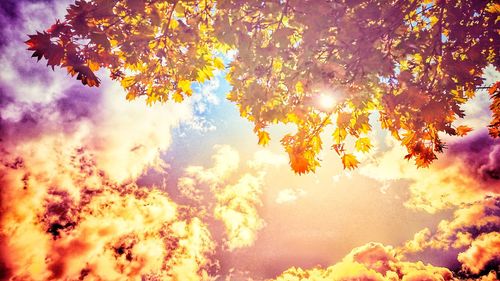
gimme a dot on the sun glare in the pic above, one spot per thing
(326, 101)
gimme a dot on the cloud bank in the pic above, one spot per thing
(229, 193)
(71, 208)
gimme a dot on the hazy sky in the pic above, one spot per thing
(260, 218)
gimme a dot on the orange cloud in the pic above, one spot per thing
(234, 204)
(484, 250)
(372, 261)
(236, 208)
(465, 174)
(62, 217)
(468, 222)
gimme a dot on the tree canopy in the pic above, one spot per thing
(309, 63)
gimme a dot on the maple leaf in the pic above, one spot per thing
(218, 63)
(423, 154)
(287, 54)
(39, 43)
(408, 138)
(78, 16)
(42, 46)
(299, 163)
(363, 145)
(494, 88)
(349, 161)
(339, 135)
(463, 130)
(185, 87)
(100, 39)
(84, 74)
(494, 126)
(177, 97)
(58, 28)
(263, 138)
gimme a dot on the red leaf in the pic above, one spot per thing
(39, 43)
(42, 46)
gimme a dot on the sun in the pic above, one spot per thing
(326, 101)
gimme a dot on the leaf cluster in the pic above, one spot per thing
(414, 62)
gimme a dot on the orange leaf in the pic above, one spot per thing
(349, 161)
(493, 88)
(263, 138)
(463, 130)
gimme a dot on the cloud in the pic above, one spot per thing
(199, 183)
(203, 100)
(474, 230)
(236, 208)
(229, 193)
(207, 96)
(481, 155)
(62, 217)
(466, 173)
(467, 224)
(70, 156)
(372, 261)
(289, 195)
(22, 80)
(126, 138)
(483, 251)
(266, 158)
(477, 112)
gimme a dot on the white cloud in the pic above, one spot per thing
(265, 157)
(290, 195)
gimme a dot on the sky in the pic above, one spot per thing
(99, 188)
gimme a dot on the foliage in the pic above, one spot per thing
(413, 62)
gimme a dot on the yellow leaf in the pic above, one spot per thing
(433, 20)
(493, 8)
(339, 135)
(218, 63)
(185, 86)
(173, 24)
(130, 95)
(153, 44)
(201, 76)
(205, 74)
(349, 161)
(408, 138)
(277, 65)
(292, 117)
(299, 88)
(363, 144)
(263, 138)
(177, 97)
(151, 99)
(403, 65)
(128, 81)
(315, 143)
(417, 57)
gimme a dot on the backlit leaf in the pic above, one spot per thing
(349, 161)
